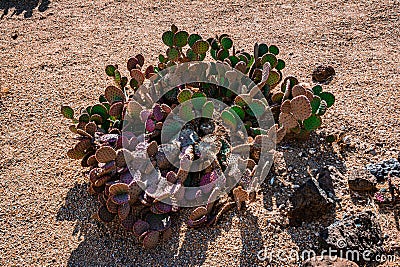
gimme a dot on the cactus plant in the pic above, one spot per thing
(121, 141)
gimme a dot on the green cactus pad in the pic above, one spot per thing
(105, 154)
(312, 123)
(234, 60)
(273, 50)
(114, 94)
(293, 82)
(328, 97)
(315, 103)
(208, 109)
(273, 78)
(191, 55)
(102, 99)
(67, 112)
(262, 49)
(123, 82)
(229, 119)
(317, 89)
(277, 97)
(172, 53)
(271, 58)
(226, 43)
(133, 84)
(110, 70)
(198, 100)
(322, 108)
(184, 95)
(240, 100)
(168, 38)
(99, 109)
(222, 54)
(162, 58)
(117, 76)
(193, 38)
(200, 47)
(243, 58)
(213, 53)
(238, 110)
(280, 65)
(256, 108)
(214, 43)
(202, 57)
(181, 38)
(98, 119)
(186, 113)
(84, 118)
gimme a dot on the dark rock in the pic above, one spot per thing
(325, 181)
(309, 202)
(14, 36)
(381, 169)
(327, 261)
(361, 180)
(357, 238)
(323, 73)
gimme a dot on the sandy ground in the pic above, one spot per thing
(57, 56)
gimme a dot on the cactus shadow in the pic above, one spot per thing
(23, 6)
(250, 242)
(295, 164)
(108, 244)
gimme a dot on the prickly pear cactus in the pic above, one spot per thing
(301, 108)
(116, 155)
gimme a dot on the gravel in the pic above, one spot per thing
(56, 55)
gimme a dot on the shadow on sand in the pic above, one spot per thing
(109, 244)
(22, 6)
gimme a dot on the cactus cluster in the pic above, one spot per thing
(301, 107)
(140, 156)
